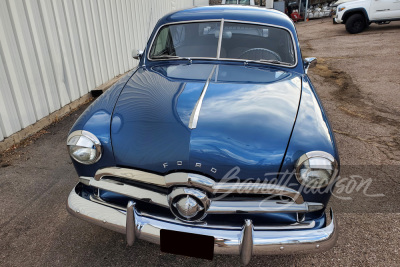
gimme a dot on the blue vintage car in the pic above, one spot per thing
(215, 143)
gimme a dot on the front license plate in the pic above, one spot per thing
(192, 245)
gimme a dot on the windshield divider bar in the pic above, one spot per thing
(220, 39)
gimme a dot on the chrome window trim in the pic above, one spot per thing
(220, 42)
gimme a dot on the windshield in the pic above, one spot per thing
(240, 41)
(187, 40)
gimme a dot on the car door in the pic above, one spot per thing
(384, 9)
(396, 9)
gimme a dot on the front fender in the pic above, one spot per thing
(352, 11)
(311, 132)
(97, 120)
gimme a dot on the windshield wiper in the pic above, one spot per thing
(165, 56)
(273, 61)
(172, 57)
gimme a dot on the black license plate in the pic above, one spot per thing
(192, 245)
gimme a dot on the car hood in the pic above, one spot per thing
(243, 129)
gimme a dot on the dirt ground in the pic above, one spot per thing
(358, 81)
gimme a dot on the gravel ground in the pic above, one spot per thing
(358, 81)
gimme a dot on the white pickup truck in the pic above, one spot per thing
(358, 15)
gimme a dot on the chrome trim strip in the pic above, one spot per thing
(293, 226)
(196, 110)
(128, 190)
(227, 240)
(134, 175)
(233, 207)
(97, 199)
(199, 181)
(254, 188)
(227, 59)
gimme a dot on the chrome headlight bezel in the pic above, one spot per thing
(85, 139)
(323, 156)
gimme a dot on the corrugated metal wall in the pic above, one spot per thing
(52, 52)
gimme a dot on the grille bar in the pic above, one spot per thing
(199, 181)
(216, 206)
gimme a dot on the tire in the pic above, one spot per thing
(355, 23)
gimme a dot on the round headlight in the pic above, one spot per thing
(316, 169)
(84, 147)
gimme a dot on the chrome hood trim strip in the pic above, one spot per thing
(196, 111)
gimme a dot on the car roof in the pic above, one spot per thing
(239, 13)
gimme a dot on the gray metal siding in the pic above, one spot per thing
(52, 52)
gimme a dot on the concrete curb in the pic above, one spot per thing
(17, 137)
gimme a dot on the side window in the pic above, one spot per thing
(164, 44)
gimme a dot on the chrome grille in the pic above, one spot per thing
(239, 198)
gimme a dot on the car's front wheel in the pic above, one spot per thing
(355, 23)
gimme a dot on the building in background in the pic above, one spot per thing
(55, 52)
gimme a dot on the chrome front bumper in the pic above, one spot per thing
(245, 241)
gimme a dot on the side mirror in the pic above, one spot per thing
(137, 54)
(309, 62)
